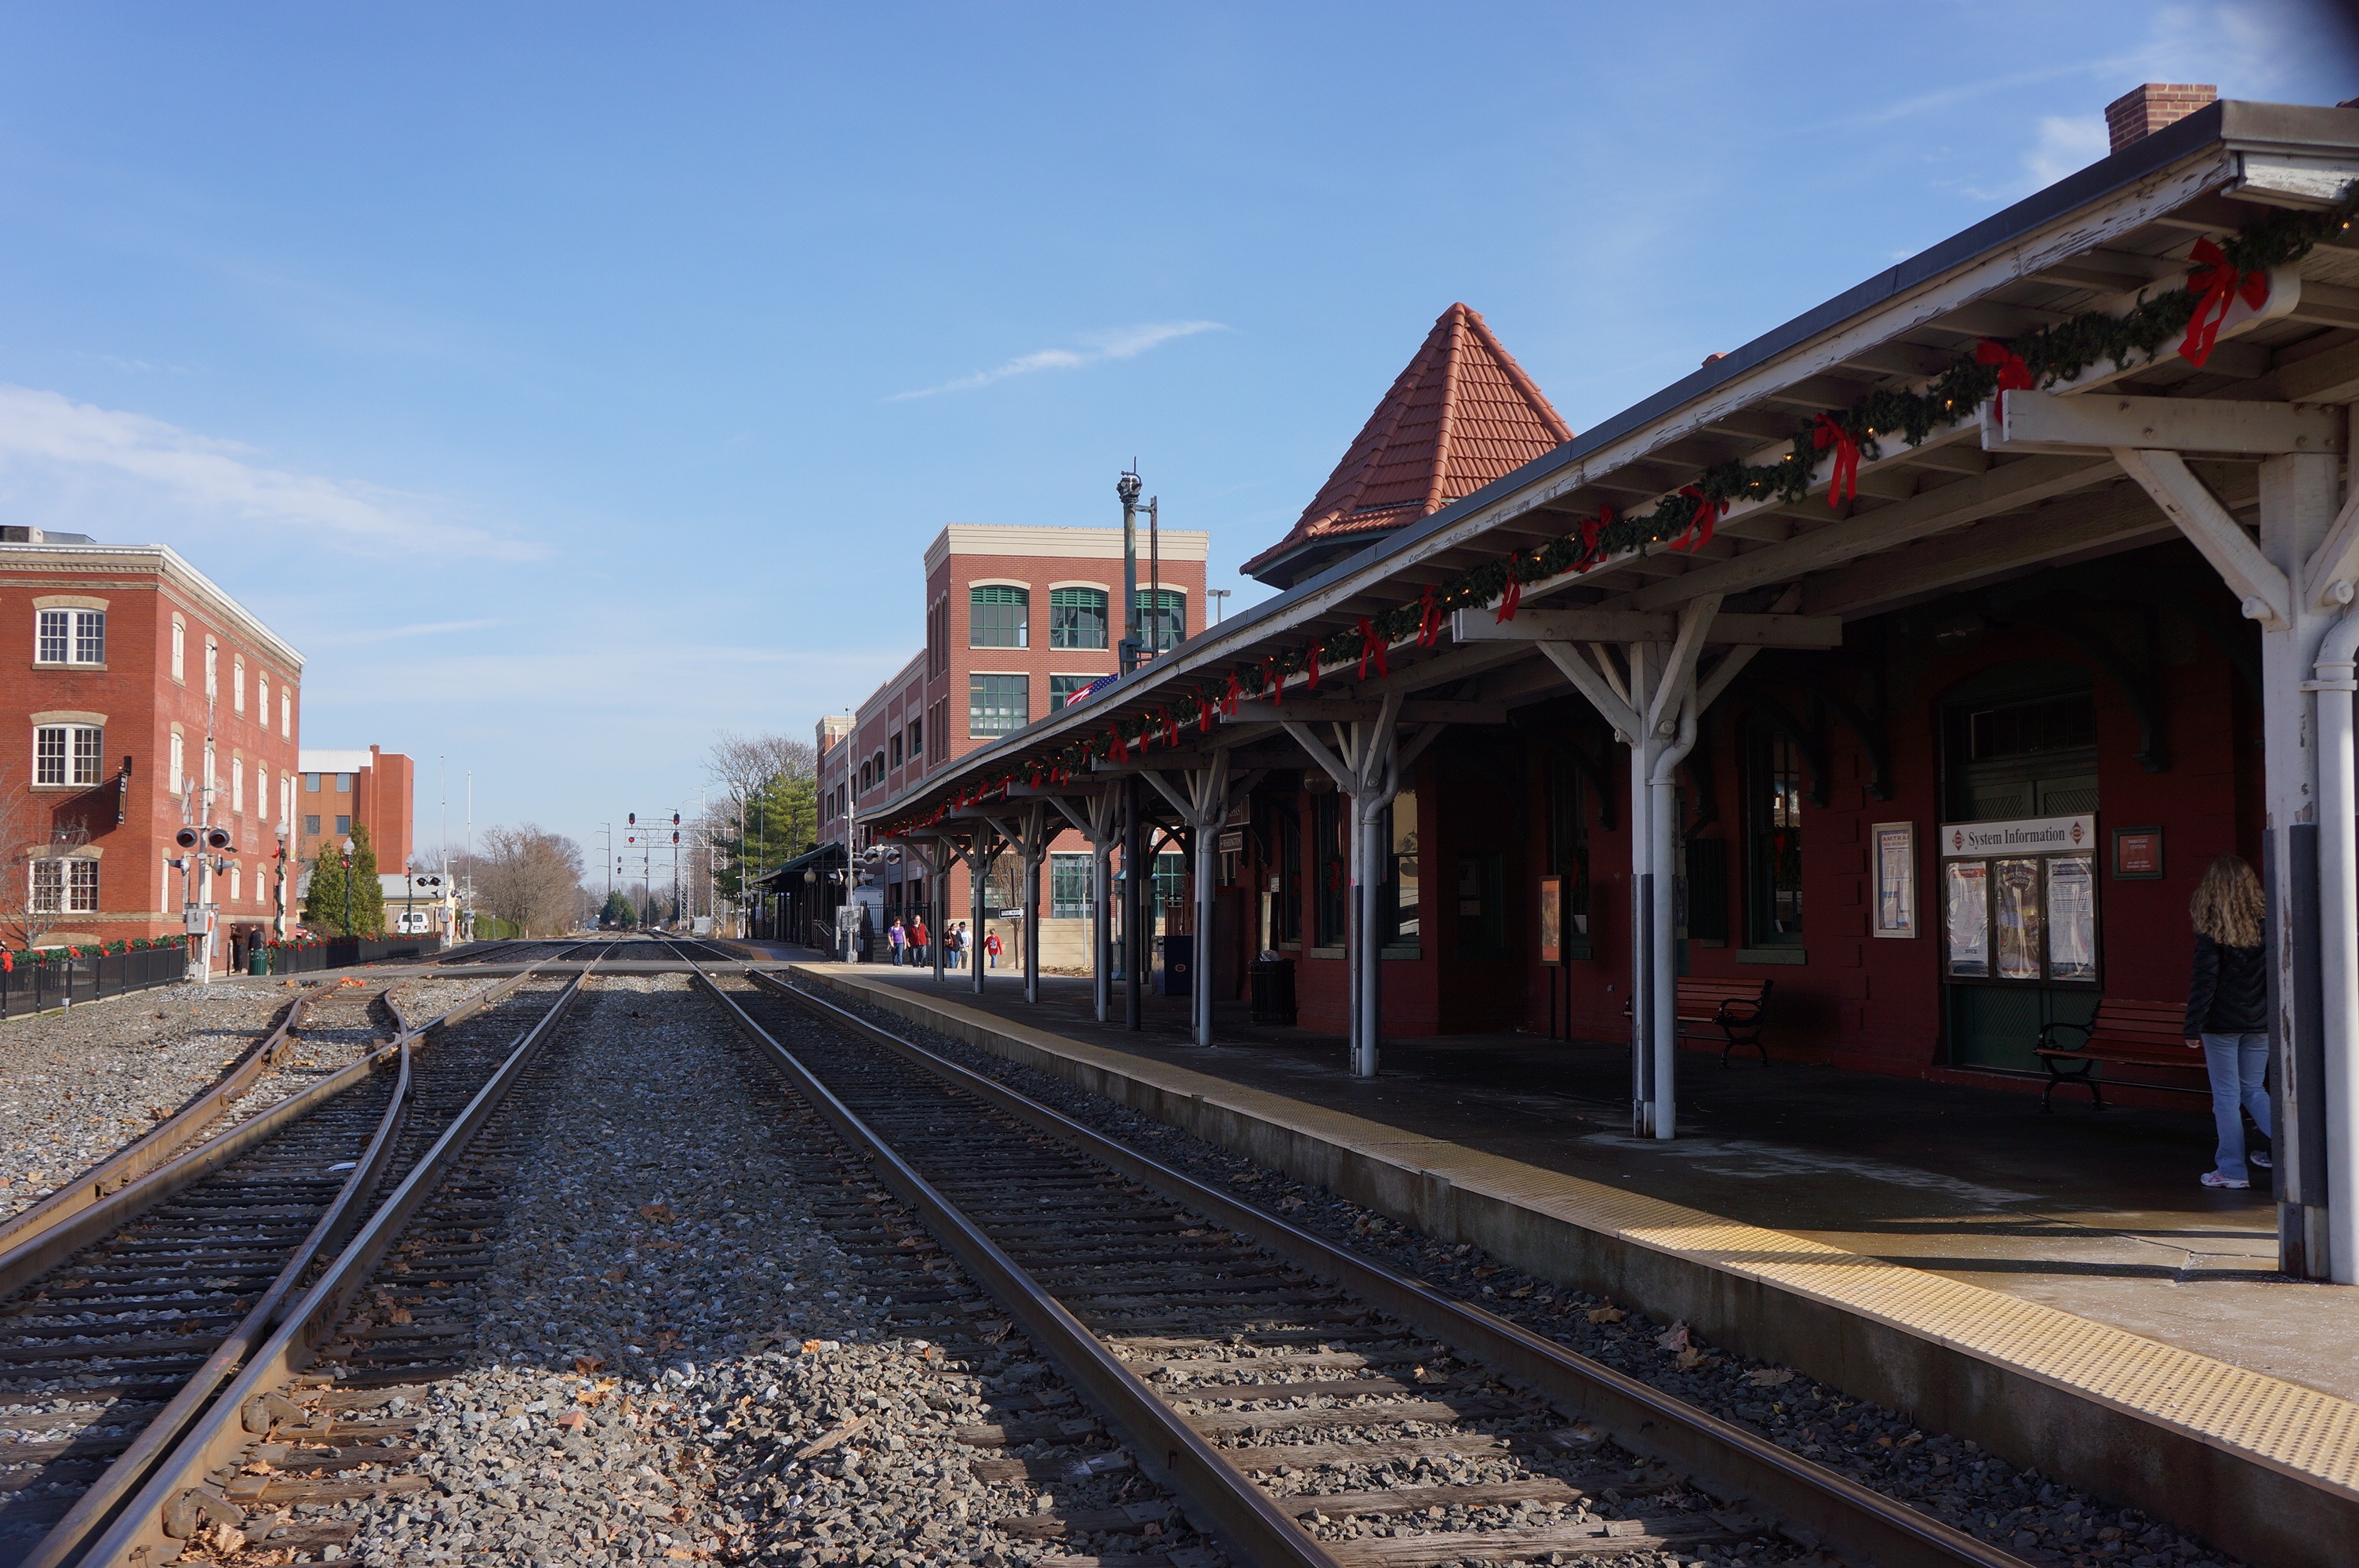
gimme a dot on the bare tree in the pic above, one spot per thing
(744, 765)
(532, 877)
(37, 881)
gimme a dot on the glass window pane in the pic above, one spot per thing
(1966, 917)
(89, 636)
(1403, 902)
(2016, 886)
(2072, 918)
(998, 617)
(82, 889)
(48, 886)
(1072, 887)
(52, 649)
(49, 754)
(1077, 618)
(1162, 619)
(86, 743)
(997, 705)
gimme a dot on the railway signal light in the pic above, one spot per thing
(675, 838)
(217, 839)
(186, 837)
(675, 822)
(632, 820)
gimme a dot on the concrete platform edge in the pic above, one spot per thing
(2255, 1465)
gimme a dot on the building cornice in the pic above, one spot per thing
(19, 561)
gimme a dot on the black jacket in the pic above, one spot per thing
(2229, 991)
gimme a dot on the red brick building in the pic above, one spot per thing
(1017, 618)
(121, 652)
(373, 789)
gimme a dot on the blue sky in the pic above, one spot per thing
(572, 383)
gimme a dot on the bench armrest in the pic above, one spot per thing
(2087, 1031)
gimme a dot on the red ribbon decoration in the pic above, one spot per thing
(2218, 285)
(1429, 621)
(1514, 594)
(1120, 753)
(1371, 647)
(1205, 708)
(2014, 371)
(1229, 698)
(1170, 726)
(1277, 682)
(1706, 513)
(1312, 686)
(1844, 483)
(1592, 530)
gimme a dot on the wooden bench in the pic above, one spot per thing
(1736, 1008)
(2125, 1032)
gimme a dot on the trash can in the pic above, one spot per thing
(1177, 977)
(258, 961)
(1272, 990)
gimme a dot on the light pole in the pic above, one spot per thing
(1126, 490)
(1219, 598)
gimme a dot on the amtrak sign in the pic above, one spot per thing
(2024, 836)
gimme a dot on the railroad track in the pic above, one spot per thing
(120, 1321)
(1308, 1406)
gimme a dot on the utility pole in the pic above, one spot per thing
(1154, 577)
(1219, 598)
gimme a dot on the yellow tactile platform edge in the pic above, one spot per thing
(2298, 1430)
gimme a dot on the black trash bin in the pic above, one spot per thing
(1272, 990)
(1176, 977)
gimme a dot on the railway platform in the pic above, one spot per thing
(2058, 1286)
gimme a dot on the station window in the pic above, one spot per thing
(344, 784)
(179, 756)
(1072, 886)
(894, 746)
(1162, 619)
(237, 683)
(311, 825)
(310, 784)
(998, 616)
(1077, 618)
(66, 753)
(1061, 688)
(1004, 888)
(1398, 900)
(179, 649)
(1330, 828)
(343, 827)
(917, 749)
(1286, 881)
(72, 637)
(1568, 851)
(1772, 839)
(997, 705)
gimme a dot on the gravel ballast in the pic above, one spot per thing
(670, 1331)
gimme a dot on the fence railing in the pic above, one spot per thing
(61, 982)
(342, 952)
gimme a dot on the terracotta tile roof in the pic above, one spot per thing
(1462, 414)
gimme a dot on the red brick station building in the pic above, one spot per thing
(1911, 660)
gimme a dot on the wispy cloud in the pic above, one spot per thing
(2068, 142)
(45, 436)
(1122, 343)
(396, 633)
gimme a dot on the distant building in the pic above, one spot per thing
(1019, 620)
(340, 789)
(125, 650)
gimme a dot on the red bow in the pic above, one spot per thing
(1844, 483)
(1513, 596)
(1311, 669)
(1170, 726)
(1276, 682)
(1229, 698)
(1205, 708)
(1429, 622)
(2217, 285)
(1706, 513)
(1121, 752)
(1371, 647)
(1592, 530)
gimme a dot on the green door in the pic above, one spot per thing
(2019, 741)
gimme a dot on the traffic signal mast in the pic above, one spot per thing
(204, 851)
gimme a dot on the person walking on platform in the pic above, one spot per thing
(897, 935)
(2228, 1011)
(953, 946)
(991, 947)
(917, 954)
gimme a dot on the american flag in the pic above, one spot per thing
(1091, 690)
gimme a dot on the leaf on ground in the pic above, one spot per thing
(598, 1393)
(1609, 1312)
(1674, 1337)
(589, 1365)
(1691, 1358)
(660, 1213)
(1770, 1376)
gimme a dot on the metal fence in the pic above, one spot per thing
(342, 952)
(61, 982)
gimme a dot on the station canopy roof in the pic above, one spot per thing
(826, 858)
(1835, 467)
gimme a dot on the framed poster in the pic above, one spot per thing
(2071, 918)
(1895, 879)
(2017, 919)
(1551, 920)
(1965, 889)
(2137, 854)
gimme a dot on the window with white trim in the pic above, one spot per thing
(179, 778)
(66, 753)
(262, 790)
(287, 713)
(65, 886)
(236, 878)
(71, 637)
(213, 667)
(237, 784)
(179, 649)
(262, 698)
(237, 683)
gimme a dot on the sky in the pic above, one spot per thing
(571, 383)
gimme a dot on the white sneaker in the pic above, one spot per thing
(2215, 1179)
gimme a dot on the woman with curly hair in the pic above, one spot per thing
(2228, 1010)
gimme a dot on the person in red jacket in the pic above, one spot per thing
(990, 946)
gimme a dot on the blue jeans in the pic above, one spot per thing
(2239, 1066)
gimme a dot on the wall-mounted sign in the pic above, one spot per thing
(2137, 854)
(1551, 921)
(2026, 836)
(1895, 879)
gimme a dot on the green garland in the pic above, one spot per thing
(2049, 354)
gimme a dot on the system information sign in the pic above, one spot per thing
(2025, 836)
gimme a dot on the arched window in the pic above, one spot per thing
(1077, 618)
(999, 617)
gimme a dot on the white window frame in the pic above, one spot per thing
(63, 884)
(237, 784)
(180, 650)
(79, 757)
(262, 698)
(179, 750)
(287, 713)
(77, 635)
(237, 683)
(213, 667)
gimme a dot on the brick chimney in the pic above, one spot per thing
(2143, 110)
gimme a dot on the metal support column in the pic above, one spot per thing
(1133, 901)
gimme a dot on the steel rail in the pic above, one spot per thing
(94, 1508)
(1850, 1519)
(1219, 1495)
(138, 1537)
(155, 1148)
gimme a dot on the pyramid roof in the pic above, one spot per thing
(1462, 414)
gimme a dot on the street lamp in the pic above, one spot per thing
(1126, 488)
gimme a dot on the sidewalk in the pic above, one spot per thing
(2095, 1214)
